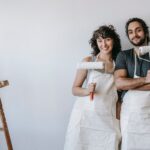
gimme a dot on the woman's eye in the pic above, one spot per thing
(129, 32)
(108, 39)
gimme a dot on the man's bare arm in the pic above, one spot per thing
(125, 83)
(143, 88)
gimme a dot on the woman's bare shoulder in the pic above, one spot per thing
(87, 59)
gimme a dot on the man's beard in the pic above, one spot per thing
(140, 43)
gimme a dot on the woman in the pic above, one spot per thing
(93, 124)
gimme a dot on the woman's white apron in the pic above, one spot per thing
(93, 124)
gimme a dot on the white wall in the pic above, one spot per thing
(40, 43)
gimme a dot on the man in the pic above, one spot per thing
(132, 76)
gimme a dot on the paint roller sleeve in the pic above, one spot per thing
(90, 65)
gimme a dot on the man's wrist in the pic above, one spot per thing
(144, 81)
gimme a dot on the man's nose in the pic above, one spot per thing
(134, 34)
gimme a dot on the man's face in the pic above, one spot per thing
(136, 34)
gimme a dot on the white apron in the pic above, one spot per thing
(135, 120)
(93, 124)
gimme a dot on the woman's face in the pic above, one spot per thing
(105, 45)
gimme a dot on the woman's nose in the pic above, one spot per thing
(104, 43)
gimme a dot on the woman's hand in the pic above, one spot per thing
(91, 88)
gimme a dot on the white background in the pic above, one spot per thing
(40, 43)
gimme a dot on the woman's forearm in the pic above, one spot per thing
(79, 91)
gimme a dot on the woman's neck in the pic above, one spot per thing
(104, 57)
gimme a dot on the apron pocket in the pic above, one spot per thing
(97, 138)
(97, 130)
(138, 131)
(96, 120)
(139, 123)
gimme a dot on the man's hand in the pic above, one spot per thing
(147, 78)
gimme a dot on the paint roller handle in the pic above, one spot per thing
(91, 96)
(92, 93)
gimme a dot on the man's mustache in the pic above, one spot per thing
(136, 37)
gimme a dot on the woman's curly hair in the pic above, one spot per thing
(106, 32)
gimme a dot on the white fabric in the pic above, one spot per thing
(93, 124)
(135, 120)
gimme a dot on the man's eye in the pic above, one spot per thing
(139, 30)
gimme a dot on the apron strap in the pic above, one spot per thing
(135, 66)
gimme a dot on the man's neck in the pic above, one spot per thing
(144, 44)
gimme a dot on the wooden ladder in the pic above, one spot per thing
(4, 127)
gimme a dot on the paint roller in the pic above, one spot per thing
(143, 50)
(91, 66)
